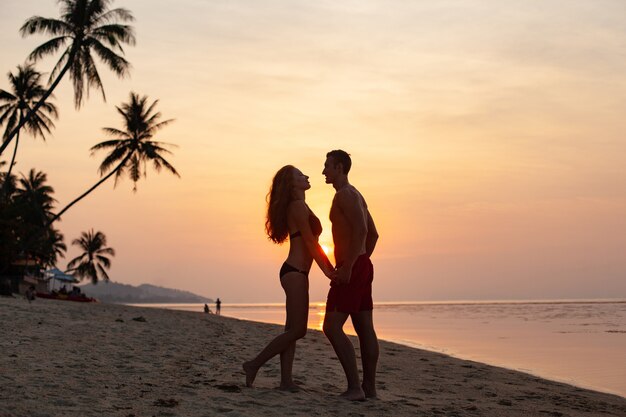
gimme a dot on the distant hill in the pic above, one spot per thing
(113, 292)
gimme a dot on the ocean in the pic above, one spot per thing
(580, 342)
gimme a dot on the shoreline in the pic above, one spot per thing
(64, 358)
(530, 372)
(257, 312)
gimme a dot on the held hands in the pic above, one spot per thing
(339, 275)
(343, 275)
(331, 273)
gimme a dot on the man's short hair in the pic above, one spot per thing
(341, 157)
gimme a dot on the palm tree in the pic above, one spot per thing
(36, 198)
(85, 27)
(132, 148)
(27, 92)
(93, 262)
(54, 248)
(24, 226)
(7, 182)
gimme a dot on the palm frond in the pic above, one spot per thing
(102, 272)
(77, 75)
(61, 63)
(115, 132)
(48, 48)
(6, 96)
(167, 165)
(135, 169)
(38, 24)
(114, 35)
(116, 156)
(106, 262)
(116, 63)
(106, 144)
(92, 76)
(112, 15)
(108, 251)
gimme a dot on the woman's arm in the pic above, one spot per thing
(300, 214)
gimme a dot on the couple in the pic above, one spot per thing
(350, 294)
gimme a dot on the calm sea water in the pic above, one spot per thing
(578, 342)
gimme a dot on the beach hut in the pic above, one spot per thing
(58, 279)
(20, 275)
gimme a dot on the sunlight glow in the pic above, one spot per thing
(320, 321)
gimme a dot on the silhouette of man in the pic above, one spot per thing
(218, 306)
(350, 294)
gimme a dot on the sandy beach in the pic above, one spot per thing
(74, 359)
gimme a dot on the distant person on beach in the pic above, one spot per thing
(218, 306)
(350, 294)
(289, 216)
(30, 293)
(207, 310)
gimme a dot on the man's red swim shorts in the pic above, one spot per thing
(356, 295)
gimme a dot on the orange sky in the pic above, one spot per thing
(488, 139)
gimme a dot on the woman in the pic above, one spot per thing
(289, 216)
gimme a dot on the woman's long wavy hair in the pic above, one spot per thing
(278, 199)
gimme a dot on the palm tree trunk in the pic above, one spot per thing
(7, 178)
(42, 100)
(83, 195)
(17, 141)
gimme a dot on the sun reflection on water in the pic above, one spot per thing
(319, 315)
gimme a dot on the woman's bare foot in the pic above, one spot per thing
(370, 392)
(354, 394)
(251, 372)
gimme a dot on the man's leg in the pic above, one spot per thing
(364, 327)
(333, 329)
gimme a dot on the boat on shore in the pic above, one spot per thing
(81, 298)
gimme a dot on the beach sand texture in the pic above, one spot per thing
(72, 359)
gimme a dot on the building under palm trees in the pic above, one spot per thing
(21, 274)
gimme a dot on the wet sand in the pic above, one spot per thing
(72, 359)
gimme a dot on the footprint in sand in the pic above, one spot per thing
(228, 387)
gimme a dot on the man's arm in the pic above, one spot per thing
(372, 235)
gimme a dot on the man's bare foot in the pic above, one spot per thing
(250, 371)
(291, 387)
(370, 392)
(354, 394)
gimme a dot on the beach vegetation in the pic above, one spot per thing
(26, 91)
(25, 231)
(86, 29)
(94, 260)
(85, 32)
(132, 149)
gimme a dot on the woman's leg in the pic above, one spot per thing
(296, 287)
(297, 317)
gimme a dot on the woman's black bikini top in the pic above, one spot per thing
(314, 223)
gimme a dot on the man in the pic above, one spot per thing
(350, 294)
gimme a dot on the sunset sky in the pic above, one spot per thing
(489, 139)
